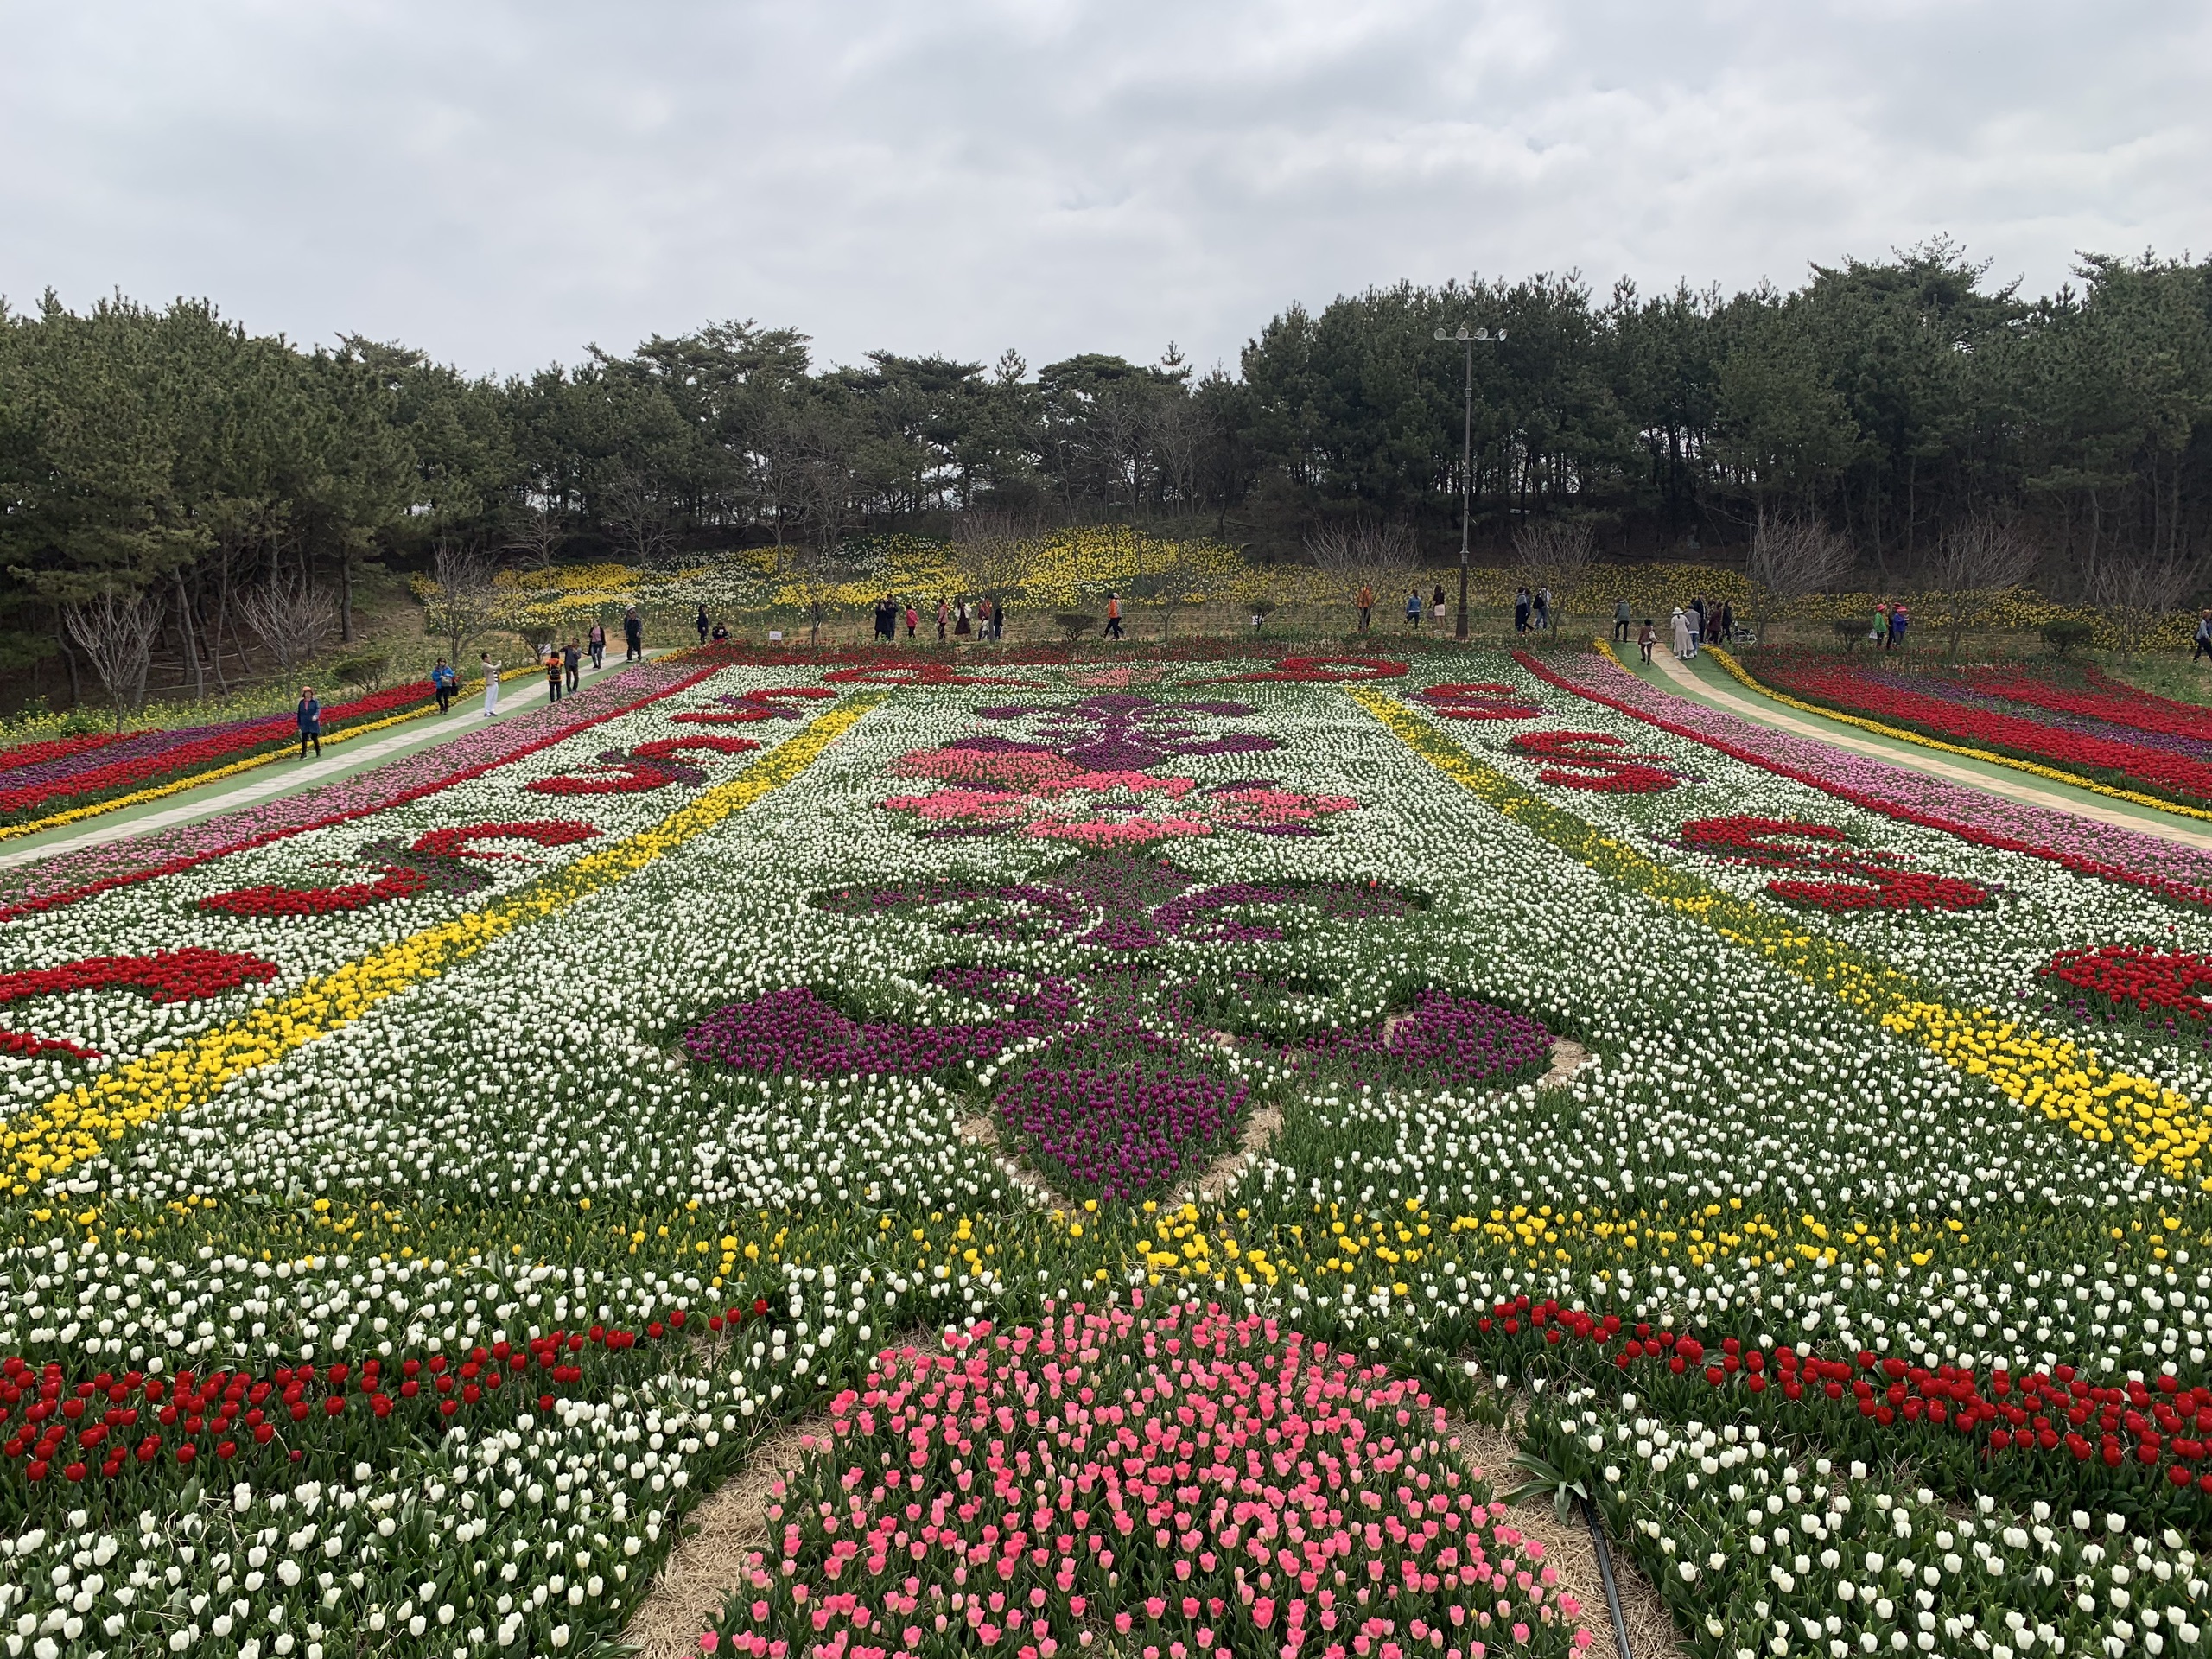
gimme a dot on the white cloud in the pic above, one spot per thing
(503, 182)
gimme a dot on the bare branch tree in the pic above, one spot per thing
(1554, 553)
(991, 550)
(1976, 563)
(290, 620)
(462, 602)
(539, 536)
(1794, 557)
(2136, 589)
(117, 631)
(1373, 554)
(638, 516)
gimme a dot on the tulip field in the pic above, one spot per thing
(1134, 1116)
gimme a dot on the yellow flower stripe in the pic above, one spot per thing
(71, 1127)
(2056, 775)
(2067, 1083)
(178, 786)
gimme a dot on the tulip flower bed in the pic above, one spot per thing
(2114, 854)
(2093, 749)
(1199, 1482)
(43, 779)
(510, 1160)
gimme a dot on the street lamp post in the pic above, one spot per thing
(1467, 339)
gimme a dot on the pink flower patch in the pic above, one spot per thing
(1043, 795)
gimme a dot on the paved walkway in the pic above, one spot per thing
(1714, 688)
(288, 776)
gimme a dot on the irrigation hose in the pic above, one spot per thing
(1606, 1571)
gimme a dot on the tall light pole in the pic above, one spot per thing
(1467, 454)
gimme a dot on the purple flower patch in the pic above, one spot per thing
(798, 1032)
(1443, 1040)
(1121, 1113)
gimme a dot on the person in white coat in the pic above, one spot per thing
(1681, 625)
(492, 684)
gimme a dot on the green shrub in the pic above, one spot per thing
(2066, 633)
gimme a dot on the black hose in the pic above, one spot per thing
(1606, 1571)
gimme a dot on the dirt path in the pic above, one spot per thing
(1765, 712)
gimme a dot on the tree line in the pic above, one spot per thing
(163, 469)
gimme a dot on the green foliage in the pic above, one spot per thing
(363, 669)
(2065, 634)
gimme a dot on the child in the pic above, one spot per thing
(1648, 639)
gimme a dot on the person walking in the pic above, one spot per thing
(913, 619)
(1366, 606)
(596, 640)
(1413, 609)
(943, 614)
(1881, 624)
(310, 719)
(700, 623)
(572, 659)
(1521, 604)
(1113, 615)
(1439, 603)
(960, 626)
(444, 682)
(998, 618)
(1679, 624)
(553, 675)
(491, 685)
(1648, 639)
(1727, 634)
(2203, 636)
(634, 636)
(1544, 608)
(887, 626)
(1899, 617)
(1621, 622)
(1695, 617)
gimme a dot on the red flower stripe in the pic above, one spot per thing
(2156, 1435)
(2135, 978)
(2107, 700)
(34, 800)
(1324, 670)
(171, 866)
(54, 748)
(57, 1427)
(398, 879)
(1478, 700)
(618, 774)
(2105, 759)
(1590, 760)
(394, 882)
(663, 748)
(166, 976)
(1872, 880)
(460, 841)
(2165, 886)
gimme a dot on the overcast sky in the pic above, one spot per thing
(501, 183)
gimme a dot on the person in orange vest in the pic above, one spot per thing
(1114, 616)
(1366, 606)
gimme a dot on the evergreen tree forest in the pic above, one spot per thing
(168, 457)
